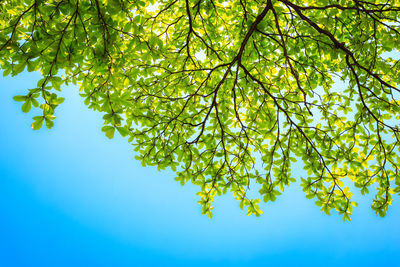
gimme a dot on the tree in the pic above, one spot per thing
(227, 94)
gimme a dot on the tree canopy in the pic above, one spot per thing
(227, 93)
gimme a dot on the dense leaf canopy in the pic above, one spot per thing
(227, 93)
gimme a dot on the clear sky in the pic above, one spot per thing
(69, 196)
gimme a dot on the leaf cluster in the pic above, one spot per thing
(228, 94)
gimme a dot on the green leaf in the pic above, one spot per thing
(19, 98)
(7, 71)
(123, 131)
(49, 122)
(109, 131)
(35, 103)
(26, 107)
(38, 122)
(18, 68)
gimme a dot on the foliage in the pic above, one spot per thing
(227, 94)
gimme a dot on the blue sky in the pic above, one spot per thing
(69, 196)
